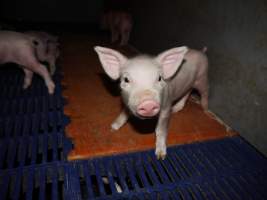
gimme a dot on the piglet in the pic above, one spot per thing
(19, 48)
(156, 86)
(119, 23)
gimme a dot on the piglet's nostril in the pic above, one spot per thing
(155, 107)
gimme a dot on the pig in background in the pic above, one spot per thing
(119, 23)
(157, 86)
(20, 49)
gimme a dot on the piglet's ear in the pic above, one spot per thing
(111, 61)
(171, 60)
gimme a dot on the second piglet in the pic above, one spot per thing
(156, 86)
(19, 48)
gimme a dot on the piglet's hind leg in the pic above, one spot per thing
(27, 78)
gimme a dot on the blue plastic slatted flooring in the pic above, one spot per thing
(33, 165)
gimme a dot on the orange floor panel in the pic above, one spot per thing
(94, 102)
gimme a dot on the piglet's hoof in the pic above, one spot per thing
(51, 88)
(26, 85)
(114, 127)
(161, 154)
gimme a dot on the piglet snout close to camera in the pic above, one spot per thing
(148, 108)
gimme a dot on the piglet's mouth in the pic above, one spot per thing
(144, 118)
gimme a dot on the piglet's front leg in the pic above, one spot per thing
(162, 132)
(120, 120)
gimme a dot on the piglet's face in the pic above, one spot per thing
(142, 83)
(142, 79)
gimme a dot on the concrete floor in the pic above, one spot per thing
(94, 102)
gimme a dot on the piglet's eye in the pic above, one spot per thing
(126, 80)
(160, 78)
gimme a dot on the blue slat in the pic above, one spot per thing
(17, 126)
(35, 124)
(34, 149)
(73, 173)
(210, 194)
(177, 166)
(184, 193)
(150, 171)
(220, 159)
(107, 170)
(22, 151)
(196, 193)
(251, 188)
(26, 126)
(197, 159)
(12, 149)
(42, 183)
(30, 182)
(131, 173)
(168, 167)
(55, 145)
(231, 155)
(118, 171)
(88, 180)
(54, 183)
(187, 166)
(43, 122)
(8, 127)
(159, 169)
(238, 188)
(5, 180)
(17, 185)
(140, 171)
(36, 105)
(44, 142)
(230, 192)
(3, 152)
(212, 162)
(100, 183)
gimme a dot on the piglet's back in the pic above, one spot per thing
(13, 38)
(194, 66)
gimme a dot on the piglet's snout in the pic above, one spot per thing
(148, 108)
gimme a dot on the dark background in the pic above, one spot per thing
(235, 33)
